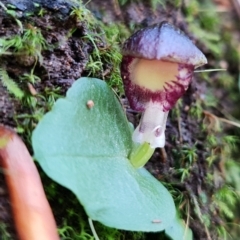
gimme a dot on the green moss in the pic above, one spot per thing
(9, 83)
(29, 44)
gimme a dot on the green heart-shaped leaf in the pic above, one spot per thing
(86, 150)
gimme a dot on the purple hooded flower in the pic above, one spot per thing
(157, 68)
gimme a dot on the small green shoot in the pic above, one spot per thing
(184, 172)
(141, 155)
(31, 77)
(190, 154)
(11, 86)
(82, 14)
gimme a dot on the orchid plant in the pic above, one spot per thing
(87, 145)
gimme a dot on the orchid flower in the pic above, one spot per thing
(157, 68)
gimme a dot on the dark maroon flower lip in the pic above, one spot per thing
(139, 96)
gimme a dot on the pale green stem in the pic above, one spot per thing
(93, 229)
(140, 156)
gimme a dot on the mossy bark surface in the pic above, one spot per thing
(194, 164)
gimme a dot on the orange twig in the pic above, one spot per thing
(32, 214)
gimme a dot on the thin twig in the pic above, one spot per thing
(211, 70)
(93, 229)
(179, 129)
(164, 155)
(117, 8)
(236, 124)
(198, 210)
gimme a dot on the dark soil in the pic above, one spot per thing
(65, 60)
